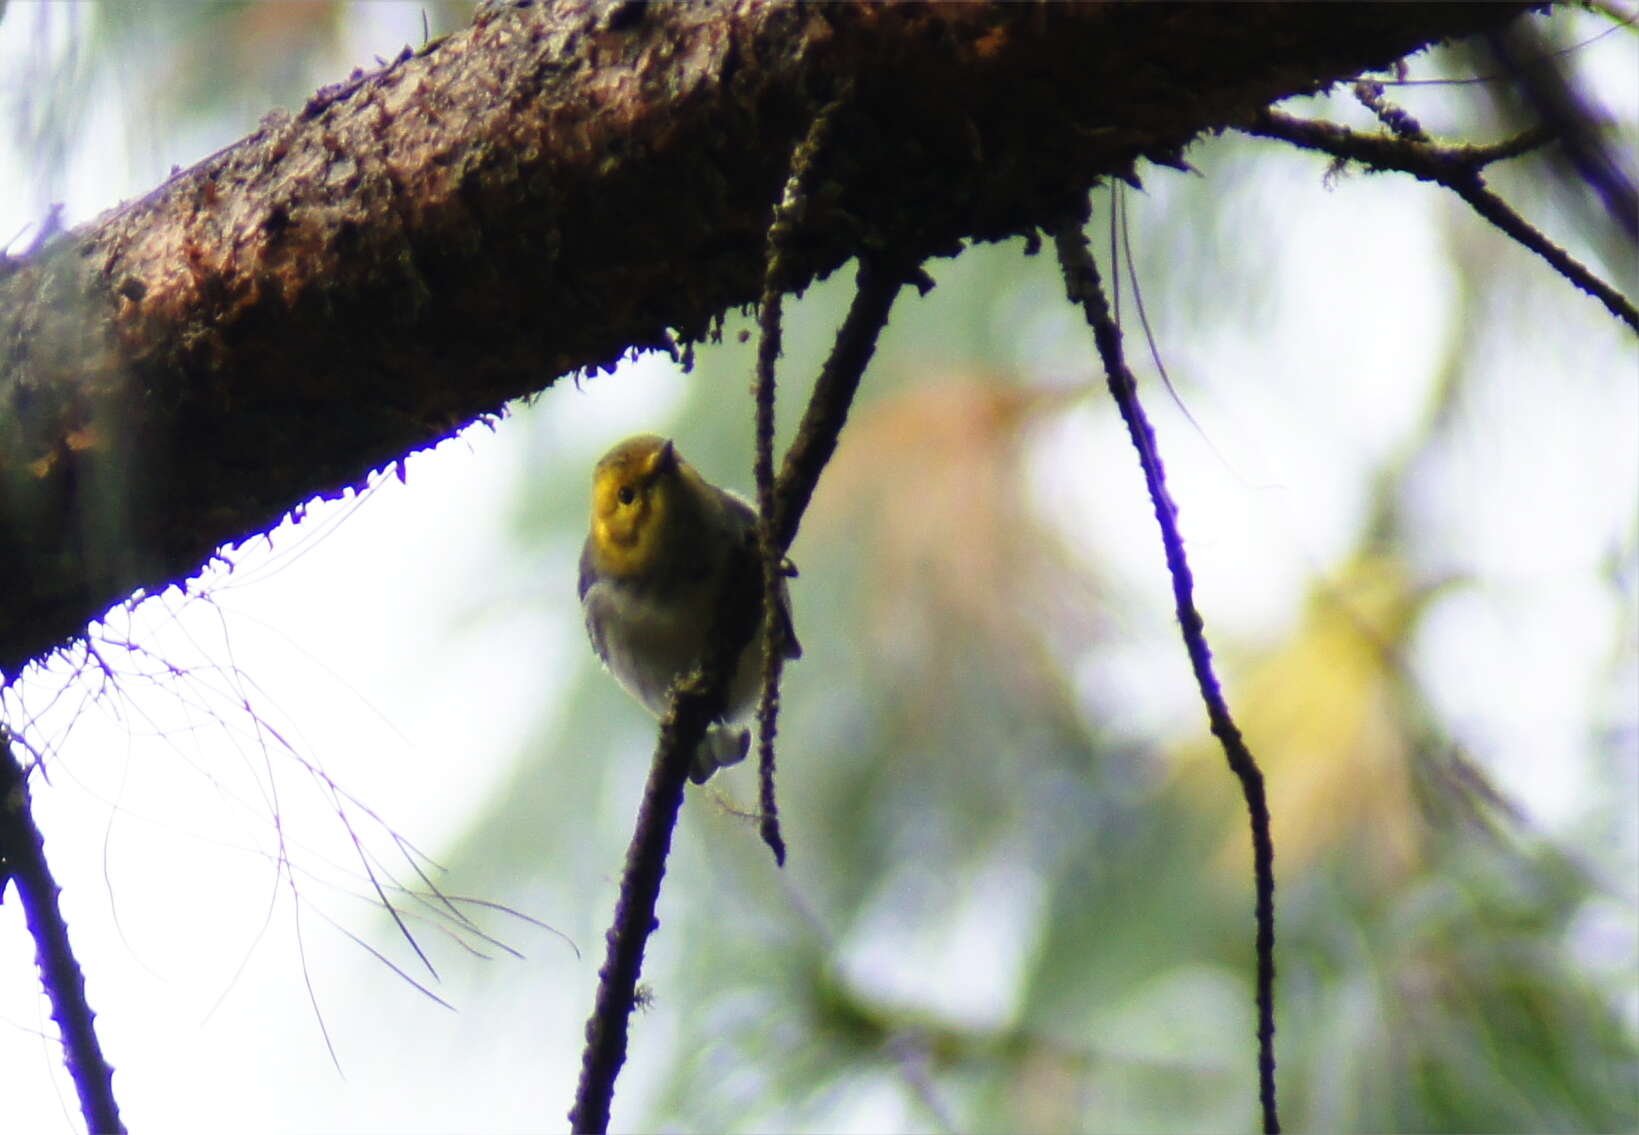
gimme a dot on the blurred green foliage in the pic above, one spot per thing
(1001, 916)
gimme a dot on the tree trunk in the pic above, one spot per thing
(542, 192)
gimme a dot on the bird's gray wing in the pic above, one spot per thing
(588, 576)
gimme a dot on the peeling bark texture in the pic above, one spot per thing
(540, 193)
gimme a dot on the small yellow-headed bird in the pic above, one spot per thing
(650, 575)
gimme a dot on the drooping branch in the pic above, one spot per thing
(784, 225)
(1083, 288)
(557, 185)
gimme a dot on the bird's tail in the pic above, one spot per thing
(723, 745)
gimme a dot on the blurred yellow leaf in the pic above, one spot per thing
(1322, 714)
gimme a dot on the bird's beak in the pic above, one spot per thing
(664, 459)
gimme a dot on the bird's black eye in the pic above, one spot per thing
(626, 495)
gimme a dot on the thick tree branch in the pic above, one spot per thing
(540, 193)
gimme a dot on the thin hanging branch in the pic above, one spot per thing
(878, 283)
(787, 214)
(698, 700)
(768, 350)
(1458, 168)
(1083, 288)
(23, 861)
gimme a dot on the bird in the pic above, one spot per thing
(661, 544)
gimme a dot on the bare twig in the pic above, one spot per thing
(877, 285)
(773, 661)
(23, 860)
(698, 701)
(1082, 286)
(787, 214)
(1458, 168)
(1442, 162)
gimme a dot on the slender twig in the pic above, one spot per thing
(876, 286)
(23, 859)
(1082, 285)
(787, 215)
(1426, 159)
(1441, 162)
(773, 661)
(698, 700)
(1458, 168)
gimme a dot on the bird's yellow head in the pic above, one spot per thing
(635, 496)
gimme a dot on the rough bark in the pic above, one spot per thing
(540, 193)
